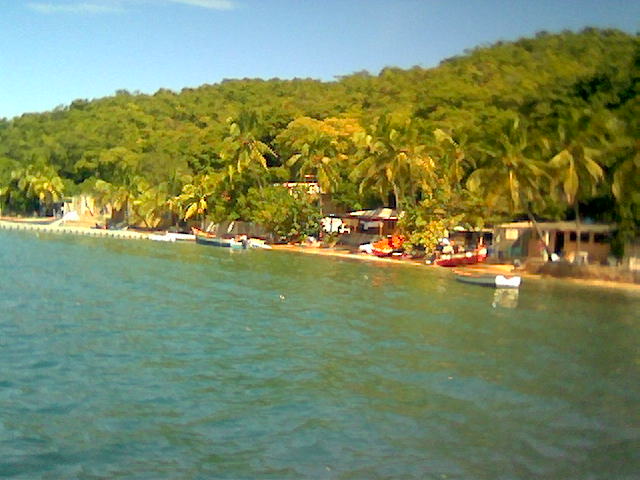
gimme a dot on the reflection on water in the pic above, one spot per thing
(505, 298)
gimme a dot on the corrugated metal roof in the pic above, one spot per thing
(561, 226)
(383, 213)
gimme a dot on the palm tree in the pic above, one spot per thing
(313, 149)
(451, 156)
(117, 197)
(575, 169)
(150, 203)
(626, 184)
(242, 151)
(40, 182)
(317, 149)
(623, 148)
(193, 201)
(392, 159)
(511, 177)
(48, 188)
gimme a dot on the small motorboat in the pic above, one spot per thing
(156, 237)
(182, 237)
(206, 238)
(258, 243)
(495, 281)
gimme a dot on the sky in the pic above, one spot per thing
(55, 51)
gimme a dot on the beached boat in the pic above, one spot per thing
(206, 238)
(258, 243)
(496, 281)
(462, 258)
(387, 246)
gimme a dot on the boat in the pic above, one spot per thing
(463, 258)
(388, 246)
(182, 237)
(206, 238)
(258, 243)
(495, 281)
(156, 237)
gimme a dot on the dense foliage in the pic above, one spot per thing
(544, 127)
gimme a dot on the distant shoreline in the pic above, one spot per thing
(49, 226)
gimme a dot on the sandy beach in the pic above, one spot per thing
(481, 268)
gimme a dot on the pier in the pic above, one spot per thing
(61, 228)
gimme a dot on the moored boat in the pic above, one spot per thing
(258, 243)
(496, 281)
(206, 238)
(182, 237)
(156, 237)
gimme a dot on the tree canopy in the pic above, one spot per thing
(545, 126)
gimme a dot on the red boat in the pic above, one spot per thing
(462, 258)
(387, 246)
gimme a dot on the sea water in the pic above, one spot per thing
(144, 360)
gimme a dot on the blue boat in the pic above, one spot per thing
(205, 238)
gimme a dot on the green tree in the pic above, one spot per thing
(291, 215)
(575, 168)
(511, 181)
(392, 159)
(34, 184)
(318, 149)
(242, 151)
(193, 201)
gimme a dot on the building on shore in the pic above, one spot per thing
(519, 240)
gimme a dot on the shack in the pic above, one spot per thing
(364, 226)
(380, 221)
(519, 240)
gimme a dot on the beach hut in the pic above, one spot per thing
(520, 240)
(380, 221)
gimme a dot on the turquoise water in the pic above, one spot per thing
(144, 360)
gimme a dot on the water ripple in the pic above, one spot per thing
(138, 360)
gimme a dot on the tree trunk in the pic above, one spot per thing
(320, 233)
(396, 195)
(576, 209)
(537, 229)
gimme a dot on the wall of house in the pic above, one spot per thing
(632, 256)
(596, 246)
(510, 243)
(521, 243)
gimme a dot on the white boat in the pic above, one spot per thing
(258, 243)
(496, 281)
(156, 237)
(182, 237)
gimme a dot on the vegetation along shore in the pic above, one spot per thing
(542, 128)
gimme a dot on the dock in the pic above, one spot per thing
(61, 228)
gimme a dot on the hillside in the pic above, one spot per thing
(533, 98)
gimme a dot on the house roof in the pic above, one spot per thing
(376, 214)
(562, 226)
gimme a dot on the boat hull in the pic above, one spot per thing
(494, 281)
(204, 238)
(466, 258)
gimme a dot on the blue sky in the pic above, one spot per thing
(55, 51)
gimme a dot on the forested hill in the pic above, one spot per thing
(430, 138)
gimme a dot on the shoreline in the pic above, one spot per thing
(49, 226)
(483, 268)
